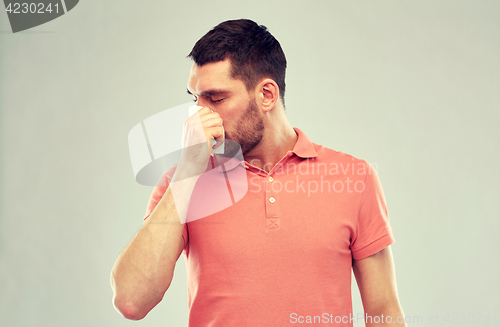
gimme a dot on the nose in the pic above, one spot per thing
(201, 102)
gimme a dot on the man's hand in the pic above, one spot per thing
(198, 131)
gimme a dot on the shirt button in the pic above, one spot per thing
(272, 200)
(270, 179)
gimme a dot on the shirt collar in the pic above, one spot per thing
(303, 148)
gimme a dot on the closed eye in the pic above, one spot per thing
(214, 96)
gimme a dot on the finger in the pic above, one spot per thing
(215, 122)
(198, 116)
(215, 132)
(209, 116)
(204, 111)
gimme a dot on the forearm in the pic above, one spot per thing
(144, 270)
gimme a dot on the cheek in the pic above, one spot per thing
(228, 115)
(232, 114)
(230, 124)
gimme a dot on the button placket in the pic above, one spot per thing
(272, 207)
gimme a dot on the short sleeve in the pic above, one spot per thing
(156, 196)
(373, 231)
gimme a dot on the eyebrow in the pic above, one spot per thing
(211, 92)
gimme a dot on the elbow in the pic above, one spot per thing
(133, 302)
(125, 304)
(128, 309)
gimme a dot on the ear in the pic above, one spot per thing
(267, 94)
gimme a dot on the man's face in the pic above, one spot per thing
(212, 86)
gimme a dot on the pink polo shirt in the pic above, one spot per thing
(283, 253)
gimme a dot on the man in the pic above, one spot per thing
(282, 254)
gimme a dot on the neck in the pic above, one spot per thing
(279, 138)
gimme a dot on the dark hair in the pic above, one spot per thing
(254, 53)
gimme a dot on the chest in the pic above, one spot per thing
(299, 218)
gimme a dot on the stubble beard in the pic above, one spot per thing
(248, 131)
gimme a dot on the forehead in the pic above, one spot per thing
(213, 75)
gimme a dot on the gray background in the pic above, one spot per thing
(412, 86)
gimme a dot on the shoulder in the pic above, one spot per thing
(343, 164)
(325, 153)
